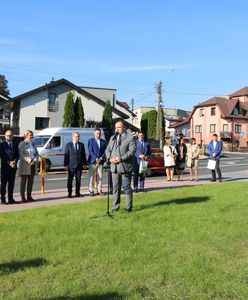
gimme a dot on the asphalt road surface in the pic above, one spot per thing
(232, 165)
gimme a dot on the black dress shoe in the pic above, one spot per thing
(69, 196)
(91, 194)
(24, 199)
(30, 199)
(220, 180)
(79, 195)
(213, 180)
(4, 203)
(12, 201)
(135, 190)
(115, 210)
(128, 210)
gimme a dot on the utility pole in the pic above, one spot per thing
(160, 135)
(132, 108)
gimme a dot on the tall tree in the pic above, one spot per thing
(4, 86)
(144, 123)
(78, 113)
(69, 115)
(152, 121)
(107, 120)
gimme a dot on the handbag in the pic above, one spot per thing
(143, 166)
(211, 164)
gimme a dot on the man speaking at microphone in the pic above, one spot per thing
(120, 154)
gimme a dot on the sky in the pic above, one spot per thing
(198, 49)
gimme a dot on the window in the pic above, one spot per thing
(238, 128)
(225, 127)
(198, 128)
(202, 112)
(213, 111)
(236, 111)
(212, 128)
(41, 123)
(52, 102)
(55, 142)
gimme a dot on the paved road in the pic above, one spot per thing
(232, 166)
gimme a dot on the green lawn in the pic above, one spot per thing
(187, 243)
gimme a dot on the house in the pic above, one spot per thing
(4, 115)
(225, 116)
(180, 127)
(44, 106)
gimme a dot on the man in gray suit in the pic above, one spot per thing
(120, 154)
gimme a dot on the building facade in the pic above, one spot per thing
(225, 116)
(44, 106)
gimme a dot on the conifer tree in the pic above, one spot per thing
(78, 113)
(107, 120)
(69, 114)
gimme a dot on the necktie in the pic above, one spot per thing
(76, 147)
(119, 139)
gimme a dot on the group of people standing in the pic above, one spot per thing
(124, 154)
(179, 156)
(11, 154)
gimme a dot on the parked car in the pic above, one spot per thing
(156, 162)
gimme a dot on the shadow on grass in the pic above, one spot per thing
(107, 296)
(14, 266)
(188, 200)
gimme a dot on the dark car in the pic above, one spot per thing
(156, 162)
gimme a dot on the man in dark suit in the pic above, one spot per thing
(74, 161)
(214, 152)
(120, 153)
(143, 150)
(96, 159)
(9, 155)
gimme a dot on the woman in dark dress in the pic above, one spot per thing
(181, 149)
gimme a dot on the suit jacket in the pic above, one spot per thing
(24, 153)
(141, 150)
(7, 154)
(96, 152)
(74, 159)
(217, 150)
(125, 150)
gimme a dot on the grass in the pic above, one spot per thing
(188, 243)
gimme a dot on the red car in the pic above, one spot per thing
(156, 162)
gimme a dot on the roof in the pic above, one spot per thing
(75, 87)
(226, 106)
(241, 92)
(179, 123)
(126, 107)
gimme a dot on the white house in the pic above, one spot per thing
(44, 106)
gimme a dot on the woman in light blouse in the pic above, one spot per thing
(169, 159)
(28, 165)
(193, 158)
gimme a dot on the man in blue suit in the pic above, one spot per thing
(96, 159)
(143, 150)
(9, 155)
(214, 152)
(74, 161)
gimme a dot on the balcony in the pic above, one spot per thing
(226, 134)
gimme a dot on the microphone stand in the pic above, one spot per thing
(108, 166)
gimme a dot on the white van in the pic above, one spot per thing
(53, 140)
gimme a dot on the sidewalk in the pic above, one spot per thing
(56, 197)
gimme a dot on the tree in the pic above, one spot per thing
(144, 123)
(107, 120)
(152, 121)
(4, 86)
(78, 113)
(69, 115)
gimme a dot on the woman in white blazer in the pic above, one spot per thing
(169, 159)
